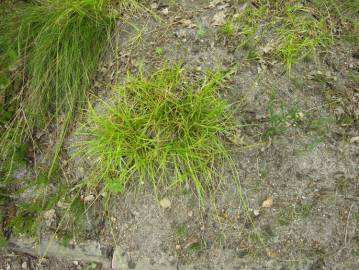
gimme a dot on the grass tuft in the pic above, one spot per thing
(59, 43)
(301, 34)
(292, 31)
(166, 129)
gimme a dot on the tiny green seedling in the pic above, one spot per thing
(90, 266)
(201, 31)
(181, 231)
(159, 51)
(293, 212)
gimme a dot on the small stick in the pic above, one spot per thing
(346, 227)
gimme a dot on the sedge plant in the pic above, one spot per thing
(167, 130)
(59, 44)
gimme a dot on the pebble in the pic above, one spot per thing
(24, 265)
(165, 203)
(89, 198)
(164, 11)
(154, 5)
(354, 139)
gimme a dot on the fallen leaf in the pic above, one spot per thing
(268, 203)
(237, 138)
(187, 23)
(165, 203)
(191, 241)
(271, 253)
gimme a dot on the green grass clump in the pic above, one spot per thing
(301, 33)
(166, 130)
(59, 43)
(291, 31)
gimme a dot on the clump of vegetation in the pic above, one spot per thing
(49, 53)
(297, 29)
(301, 33)
(59, 44)
(166, 130)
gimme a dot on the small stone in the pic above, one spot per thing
(354, 139)
(164, 11)
(75, 262)
(256, 212)
(180, 33)
(154, 5)
(113, 219)
(300, 115)
(165, 203)
(190, 213)
(178, 247)
(24, 265)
